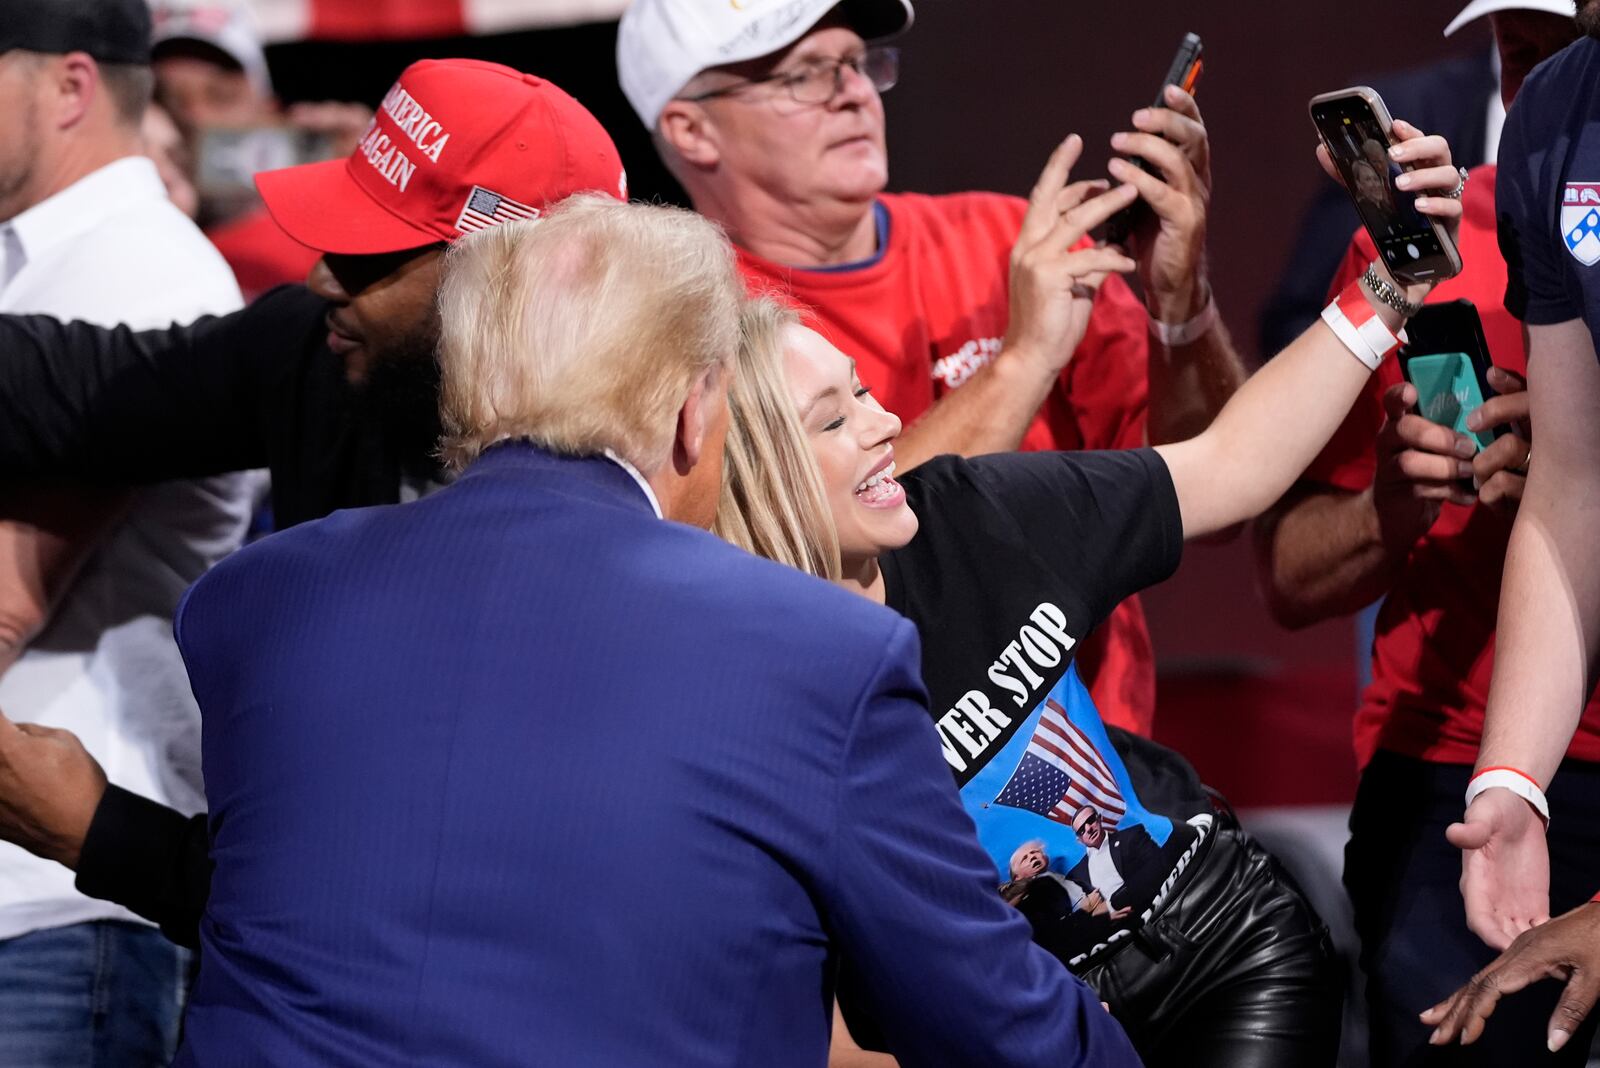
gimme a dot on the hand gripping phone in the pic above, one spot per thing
(1448, 361)
(1357, 131)
(1184, 72)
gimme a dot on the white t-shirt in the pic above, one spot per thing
(111, 249)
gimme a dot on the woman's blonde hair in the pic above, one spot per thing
(773, 502)
(583, 330)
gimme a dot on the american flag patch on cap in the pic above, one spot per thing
(485, 209)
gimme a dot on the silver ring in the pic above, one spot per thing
(1461, 186)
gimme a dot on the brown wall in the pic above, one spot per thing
(988, 88)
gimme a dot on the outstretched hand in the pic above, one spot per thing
(49, 789)
(1567, 948)
(1505, 866)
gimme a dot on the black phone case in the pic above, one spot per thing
(1118, 228)
(1451, 326)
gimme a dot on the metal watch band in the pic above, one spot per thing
(1388, 293)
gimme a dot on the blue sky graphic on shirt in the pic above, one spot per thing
(1058, 762)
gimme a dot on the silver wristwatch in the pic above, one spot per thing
(1387, 293)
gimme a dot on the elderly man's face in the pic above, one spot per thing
(797, 153)
(1031, 862)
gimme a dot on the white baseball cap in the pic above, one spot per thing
(661, 44)
(1479, 8)
(225, 26)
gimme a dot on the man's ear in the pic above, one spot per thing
(74, 84)
(685, 127)
(695, 418)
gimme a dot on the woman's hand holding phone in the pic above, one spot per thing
(1433, 175)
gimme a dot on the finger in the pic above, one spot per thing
(1173, 126)
(1104, 260)
(1153, 190)
(1326, 162)
(1468, 835)
(1041, 213)
(1445, 209)
(1166, 157)
(1506, 408)
(1425, 467)
(1078, 192)
(1069, 229)
(1576, 1001)
(1412, 145)
(1425, 179)
(1502, 491)
(1497, 456)
(1183, 103)
(1505, 381)
(1399, 399)
(1417, 432)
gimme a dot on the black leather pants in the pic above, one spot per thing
(1235, 972)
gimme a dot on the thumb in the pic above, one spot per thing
(1472, 834)
(1576, 1001)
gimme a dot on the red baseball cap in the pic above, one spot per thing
(457, 145)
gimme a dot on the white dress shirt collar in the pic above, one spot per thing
(633, 473)
(77, 209)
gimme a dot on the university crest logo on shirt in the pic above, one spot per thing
(1580, 221)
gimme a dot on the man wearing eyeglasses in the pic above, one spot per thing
(986, 322)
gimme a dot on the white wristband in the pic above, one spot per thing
(1356, 324)
(1173, 335)
(1516, 782)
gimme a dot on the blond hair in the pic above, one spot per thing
(584, 330)
(772, 502)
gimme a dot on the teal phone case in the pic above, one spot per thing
(1447, 391)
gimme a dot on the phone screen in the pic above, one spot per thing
(1356, 141)
(1448, 392)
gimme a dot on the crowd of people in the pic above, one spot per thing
(711, 636)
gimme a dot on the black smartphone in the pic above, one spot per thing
(1185, 72)
(1447, 359)
(1356, 129)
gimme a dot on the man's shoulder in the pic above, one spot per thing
(148, 266)
(1561, 78)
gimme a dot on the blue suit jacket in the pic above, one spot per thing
(522, 775)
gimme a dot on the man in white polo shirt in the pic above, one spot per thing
(89, 579)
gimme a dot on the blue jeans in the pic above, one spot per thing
(91, 995)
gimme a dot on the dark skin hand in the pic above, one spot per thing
(49, 789)
(1566, 948)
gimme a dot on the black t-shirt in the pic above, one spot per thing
(1018, 557)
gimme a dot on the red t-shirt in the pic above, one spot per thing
(931, 309)
(1434, 649)
(261, 254)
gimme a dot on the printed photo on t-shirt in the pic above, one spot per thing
(1074, 849)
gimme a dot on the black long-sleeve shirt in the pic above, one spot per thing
(258, 388)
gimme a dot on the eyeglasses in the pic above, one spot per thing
(820, 81)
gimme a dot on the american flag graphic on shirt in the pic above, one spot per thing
(485, 209)
(1060, 772)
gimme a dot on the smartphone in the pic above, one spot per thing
(1357, 131)
(1184, 72)
(1447, 359)
(227, 159)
